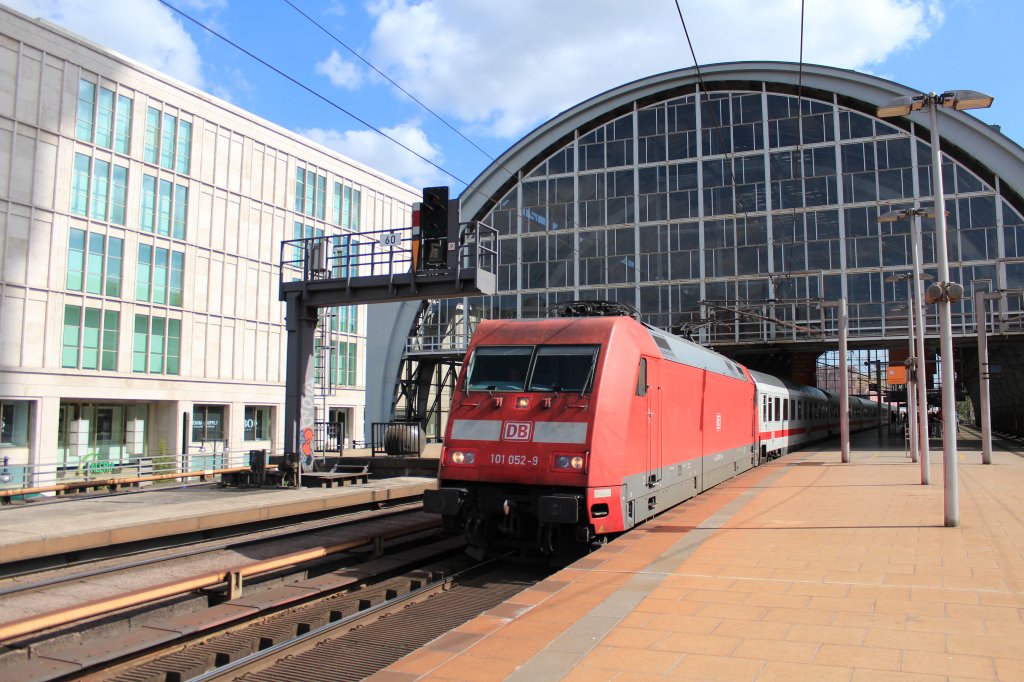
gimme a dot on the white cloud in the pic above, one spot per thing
(342, 73)
(505, 67)
(375, 151)
(205, 5)
(144, 30)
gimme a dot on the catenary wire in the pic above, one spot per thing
(308, 89)
(316, 94)
(390, 80)
(563, 238)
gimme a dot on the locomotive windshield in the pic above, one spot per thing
(567, 369)
(563, 368)
(499, 368)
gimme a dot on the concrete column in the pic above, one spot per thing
(43, 442)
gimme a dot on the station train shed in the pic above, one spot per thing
(732, 204)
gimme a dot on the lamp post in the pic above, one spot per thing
(915, 327)
(844, 379)
(915, 297)
(942, 292)
(981, 299)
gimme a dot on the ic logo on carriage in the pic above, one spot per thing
(517, 431)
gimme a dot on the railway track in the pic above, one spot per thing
(31, 632)
(356, 635)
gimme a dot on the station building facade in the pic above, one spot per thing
(733, 204)
(141, 223)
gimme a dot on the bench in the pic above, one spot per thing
(339, 475)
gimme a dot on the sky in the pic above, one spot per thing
(488, 72)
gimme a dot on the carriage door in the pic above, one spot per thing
(654, 418)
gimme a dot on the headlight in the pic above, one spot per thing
(463, 457)
(569, 462)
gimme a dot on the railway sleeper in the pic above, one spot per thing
(75, 659)
(277, 628)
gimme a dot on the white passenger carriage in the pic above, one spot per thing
(790, 415)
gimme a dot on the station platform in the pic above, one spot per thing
(802, 569)
(33, 531)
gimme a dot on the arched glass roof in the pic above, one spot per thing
(728, 204)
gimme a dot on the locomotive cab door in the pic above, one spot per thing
(652, 389)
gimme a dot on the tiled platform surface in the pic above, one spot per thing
(802, 569)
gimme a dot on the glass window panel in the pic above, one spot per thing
(100, 189)
(177, 275)
(115, 256)
(70, 337)
(80, 185)
(148, 212)
(346, 211)
(336, 204)
(184, 154)
(140, 340)
(118, 194)
(356, 201)
(321, 198)
(111, 324)
(853, 125)
(163, 208)
(91, 339)
(174, 347)
(94, 264)
(86, 108)
(156, 345)
(123, 126)
(152, 149)
(180, 211)
(168, 127)
(310, 193)
(105, 119)
(143, 276)
(76, 260)
(159, 275)
(352, 366)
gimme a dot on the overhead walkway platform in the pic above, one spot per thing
(802, 569)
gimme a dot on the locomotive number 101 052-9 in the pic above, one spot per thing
(515, 460)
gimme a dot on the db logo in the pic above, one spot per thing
(517, 431)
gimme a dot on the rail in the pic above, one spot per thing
(99, 607)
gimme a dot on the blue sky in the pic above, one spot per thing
(495, 70)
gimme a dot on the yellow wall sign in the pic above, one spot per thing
(896, 375)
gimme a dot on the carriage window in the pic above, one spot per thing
(499, 368)
(641, 378)
(567, 369)
(778, 410)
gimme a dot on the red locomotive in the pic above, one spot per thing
(567, 430)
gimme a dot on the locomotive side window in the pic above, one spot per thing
(499, 368)
(641, 378)
(567, 369)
